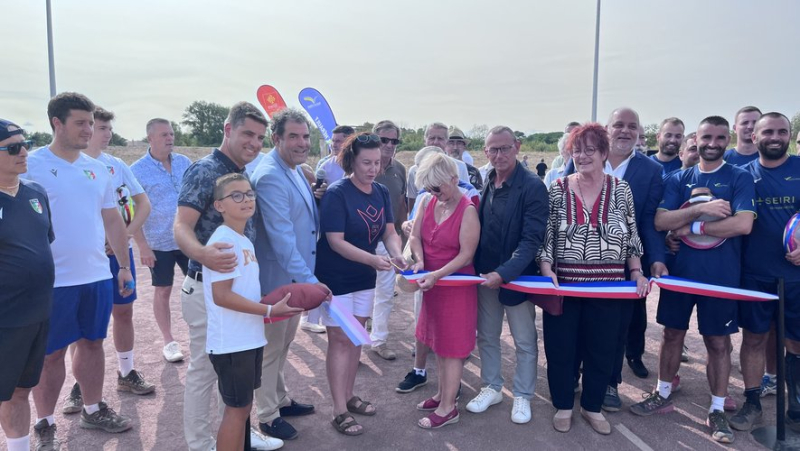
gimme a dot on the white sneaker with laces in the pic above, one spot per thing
(485, 399)
(259, 442)
(311, 327)
(521, 412)
(172, 352)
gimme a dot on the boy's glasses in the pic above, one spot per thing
(238, 196)
(16, 148)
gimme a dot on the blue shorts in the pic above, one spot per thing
(758, 317)
(80, 311)
(114, 264)
(714, 316)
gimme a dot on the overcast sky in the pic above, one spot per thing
(523, 63)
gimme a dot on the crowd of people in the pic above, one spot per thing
(239, 224)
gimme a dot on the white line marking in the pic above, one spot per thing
(632, 437)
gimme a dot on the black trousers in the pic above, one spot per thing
(634, 349)
(588, 328)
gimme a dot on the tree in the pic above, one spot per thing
(181, 138)
(478, 132)
(650, 131)
(40, 138)
(205, 120)
(117, 140)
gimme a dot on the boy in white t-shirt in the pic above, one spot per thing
(235, 340)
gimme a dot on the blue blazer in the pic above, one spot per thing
(287, 225)
(647, 186)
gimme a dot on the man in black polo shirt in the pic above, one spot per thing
(196, 220)
(27, 274)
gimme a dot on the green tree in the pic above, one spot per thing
(205, 121)
(182, 138)
(39, 138)
(650, 131)
(117, 140)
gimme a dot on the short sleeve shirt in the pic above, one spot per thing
(27, 271)
(78, 192)
(333, 171)
(735, 158)
(362, 218)
(197, 192)
(124, 183)
(667, 167)
(394, 179)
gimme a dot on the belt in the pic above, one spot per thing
(196, 275)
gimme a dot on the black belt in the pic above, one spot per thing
(196, 275)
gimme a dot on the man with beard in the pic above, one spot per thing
(456, 147)
(669, 137)
(745, 151)
(777, 185)
(733, 192)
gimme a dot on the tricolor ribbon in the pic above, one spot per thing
(344, 318)
(607, 290)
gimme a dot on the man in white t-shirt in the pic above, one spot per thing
(84, 214)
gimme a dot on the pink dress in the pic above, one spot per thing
(449, 315)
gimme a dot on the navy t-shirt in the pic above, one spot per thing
(27, 271)
(363, 218)
(668, 166)
(735, 158)
(777, 199)
(720, 265)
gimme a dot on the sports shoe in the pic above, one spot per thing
(676, 384)
(172, 352)
(105, 419)
(720, 430)
(746, 417)
(638, 368)
(73, 402)
(312, 327)
(411, 382)
(485, 399)
(730, 404)
(134, 382)
(384, 352)
(46, 439)
(685, 354)
(653, 403)
(521, 412)
(611, 401)
(769, 386)
(260, 442)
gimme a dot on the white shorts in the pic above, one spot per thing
(358, 303)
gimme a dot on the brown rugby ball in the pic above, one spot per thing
(306, 296)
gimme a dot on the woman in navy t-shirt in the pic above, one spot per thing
(353, 217)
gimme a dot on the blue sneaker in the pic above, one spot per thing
(769, 386)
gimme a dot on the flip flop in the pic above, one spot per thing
(436, 421)
(359, 406)
(344, 421)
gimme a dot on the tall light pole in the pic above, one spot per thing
(50, 51)
(596, 62)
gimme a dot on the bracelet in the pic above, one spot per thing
(125, 267)
(269, 311)
(702, 227)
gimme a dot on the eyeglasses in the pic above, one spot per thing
(238, 196)
(434, 189)
(499, 150)
(392, 141)
(16, 148)
(367, 138)
(588, 151)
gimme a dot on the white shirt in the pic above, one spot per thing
(78, 193)
(124, 183)
(467, 158)
(619, 171)
(230, 331)
(553, 174)
(333, 171)
(251, 166)
(411, 186)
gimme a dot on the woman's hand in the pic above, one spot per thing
(427, 281)
(380, 263)
(417, 267)
(400, 264)
(642, 285)
(549, 273)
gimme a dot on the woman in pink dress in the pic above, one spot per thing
(443, 243)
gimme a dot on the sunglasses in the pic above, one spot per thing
(434, 189)
(367, 138)
(392, 141)
(238, 196)
(16, 148)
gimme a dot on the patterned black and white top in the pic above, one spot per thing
(591, 243)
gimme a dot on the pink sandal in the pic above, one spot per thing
(437, 421)
(428, 405)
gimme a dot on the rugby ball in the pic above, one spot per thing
(791, 233)
(699, 196)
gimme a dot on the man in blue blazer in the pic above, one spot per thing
(644, 178)
(287, 227)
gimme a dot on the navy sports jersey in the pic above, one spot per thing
(363, 218)
(668, 167)
(777, 199)
(721, 265)
(735, 158)
(27, 271)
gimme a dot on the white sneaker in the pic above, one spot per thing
(259, 442)
(485, 399)
(311, 327)
(521, 412)
(172, 352)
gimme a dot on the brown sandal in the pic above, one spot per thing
(359, 406)
(344, 422)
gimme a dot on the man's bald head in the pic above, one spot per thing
(623, 130)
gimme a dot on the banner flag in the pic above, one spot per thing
(270, 100)
(319, 110)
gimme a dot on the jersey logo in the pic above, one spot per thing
(36, 205)
(690, 185)
(89, 174)
(719, 185)
(757, 180)
(373, 220)
(54, 172)
(249, 257)
(110, 169)
(791, 179)
(1, 213)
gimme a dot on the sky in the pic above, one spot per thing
(522, 63)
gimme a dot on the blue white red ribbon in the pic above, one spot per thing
(344, 318)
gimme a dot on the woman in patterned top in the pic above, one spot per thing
(591, 236)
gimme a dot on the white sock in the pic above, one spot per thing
(125, 362)
(19, 444)
(421, 372)
(91, 409)
(664, 389)
(51, 420)
(717, 403)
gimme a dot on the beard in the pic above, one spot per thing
(772, 154)
(704, 153)
(669, 149)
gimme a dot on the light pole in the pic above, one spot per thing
(50, 51)
(596, 62)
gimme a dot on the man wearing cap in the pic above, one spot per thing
(26, 275)
(456, 147)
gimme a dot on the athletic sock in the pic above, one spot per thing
(664, 388)
(421, 372)
(125, 362)
(19, 444)
(92, 408)
(51, 420)
(753, 396)
(717, 403)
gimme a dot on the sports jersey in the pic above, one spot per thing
(777, 199)
(78, 193)
(668, 166)
(735, 158)
(720, 265)
(125, 185)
